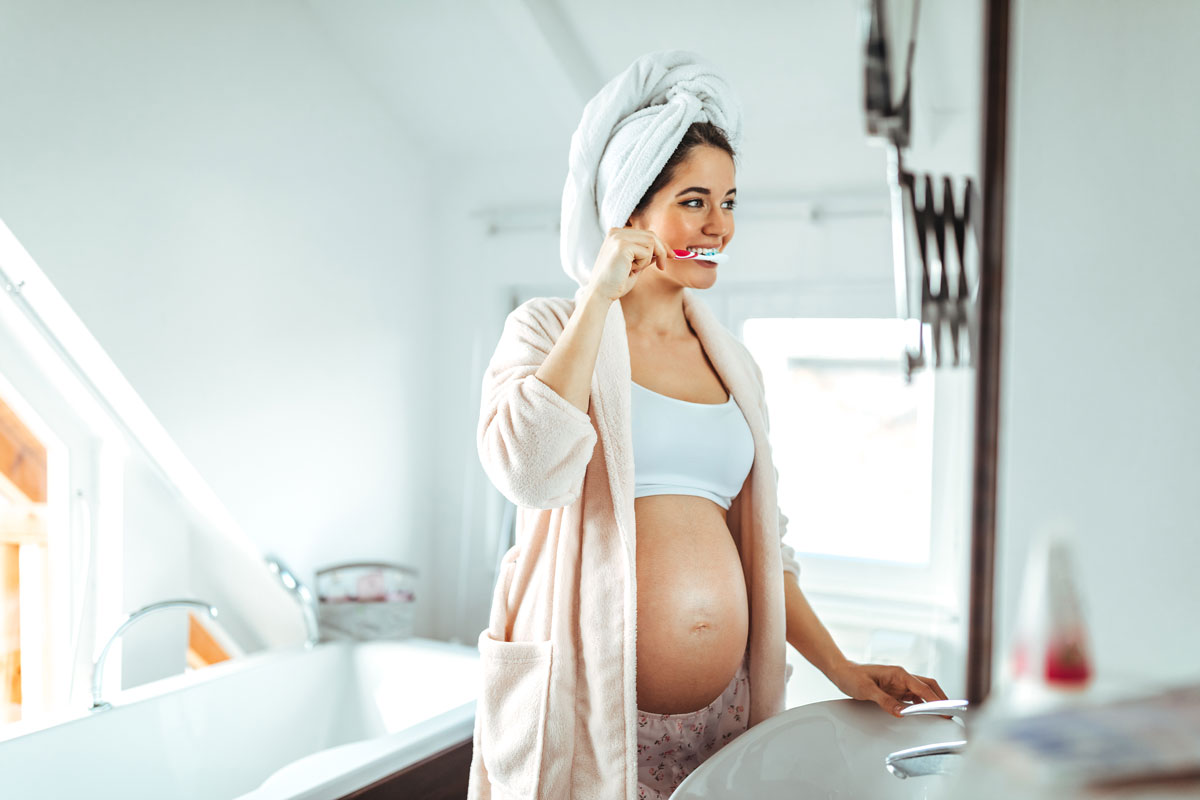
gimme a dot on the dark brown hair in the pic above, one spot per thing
(699, 134)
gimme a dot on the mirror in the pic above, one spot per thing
(273, 241)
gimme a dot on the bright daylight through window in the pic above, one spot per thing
(851, 440)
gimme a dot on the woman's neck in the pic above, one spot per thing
(656, 313)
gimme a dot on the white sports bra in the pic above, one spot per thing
(681, 447)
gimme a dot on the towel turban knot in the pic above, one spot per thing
(628, 132)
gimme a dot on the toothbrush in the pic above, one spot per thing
(714, 256)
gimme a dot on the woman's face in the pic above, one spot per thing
(695, 210)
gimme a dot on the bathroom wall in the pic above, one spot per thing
(1098, 428)
(241, 224)
(155, 567)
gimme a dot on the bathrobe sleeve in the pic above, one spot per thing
(790, 564)
(533, 443)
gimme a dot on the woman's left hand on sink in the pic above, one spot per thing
(889, 686)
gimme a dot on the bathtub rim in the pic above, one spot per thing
(193, 679)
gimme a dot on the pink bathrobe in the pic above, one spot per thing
(557, 709)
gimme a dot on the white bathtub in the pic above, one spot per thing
(285, 724)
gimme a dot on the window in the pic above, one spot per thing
(874, 485)
(852, 441)
(25, 601)
(22, 549)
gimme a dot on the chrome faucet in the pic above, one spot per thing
(930, 759)
(945, 708)
(308, 604)
(98, 665)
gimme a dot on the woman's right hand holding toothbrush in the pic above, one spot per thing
(623, 255)
(569, 367)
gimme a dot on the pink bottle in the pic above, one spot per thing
(1051, 643)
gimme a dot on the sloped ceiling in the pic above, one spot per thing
(485, 79)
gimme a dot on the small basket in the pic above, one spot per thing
(365, 600)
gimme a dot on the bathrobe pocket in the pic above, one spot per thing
(512, 713)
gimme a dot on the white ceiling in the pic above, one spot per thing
(488, 79)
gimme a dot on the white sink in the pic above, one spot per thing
(834, 749)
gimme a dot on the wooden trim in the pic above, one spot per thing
(203, 649)
(13, 493)
(442, 776)
(10, 633)
(22, 456)
(23, 524)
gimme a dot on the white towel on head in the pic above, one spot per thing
(626, 135)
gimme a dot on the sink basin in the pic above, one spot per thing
(833, 749)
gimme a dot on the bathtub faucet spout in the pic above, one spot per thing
(308, 603)
(98, 666)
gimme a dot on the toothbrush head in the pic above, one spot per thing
(715, 256)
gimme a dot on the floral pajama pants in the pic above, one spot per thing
(671, 746)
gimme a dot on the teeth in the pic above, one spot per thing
(700, 251)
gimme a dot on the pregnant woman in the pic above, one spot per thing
(640, 622)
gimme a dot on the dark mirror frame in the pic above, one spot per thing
(886, 94)
(996, 29)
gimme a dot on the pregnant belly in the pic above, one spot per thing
(692, 614)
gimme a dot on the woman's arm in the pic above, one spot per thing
(534, 444)
(880, 683)
(805, 631)
(569, 367)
